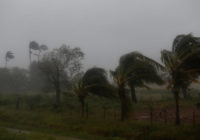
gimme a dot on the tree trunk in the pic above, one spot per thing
(57, 86)
(184, 91)
(133, 95)
(6, 62)
(87, 111)
(30, 55)
(58, 94)
(176, 96)
(82, 101)
(124, 104)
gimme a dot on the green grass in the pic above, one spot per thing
(6, 135)
(43, 118)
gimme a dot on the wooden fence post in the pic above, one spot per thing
(151, 115)
(87, 111)
(194, 118)
(115, 115)
(104, 112)
(165, 115)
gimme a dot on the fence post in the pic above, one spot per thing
(151, 115)
(165, 115)
(104, 112)
(87, 112)
(115, 115)
(194, 118)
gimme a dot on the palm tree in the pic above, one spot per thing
(33, 46)
(140, 80)
(130, 73)
(120, 78)
(82, 91)
(182, 64)
(94, 81)
(9, 55)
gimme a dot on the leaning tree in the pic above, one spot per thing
(182, 64)
(147, 73)
(9, 55)
(129, 74)
(34, 46)
(94, 81)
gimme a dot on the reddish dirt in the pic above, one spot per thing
(187, 115)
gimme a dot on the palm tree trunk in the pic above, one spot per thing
(39, 55)
(133, 95)
(176, 97)
(124, 105)
(82, 100)
(30, 55)
(6, 63)
(57, 87)
(184, 91)
(58, 95)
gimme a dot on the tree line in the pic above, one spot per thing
(60, 70)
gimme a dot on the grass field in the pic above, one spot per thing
(40, 117)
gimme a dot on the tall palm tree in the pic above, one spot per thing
(131, 74)
(33, 46)
(182, 64)
(9, 55)
(94, 81)
(140, 80)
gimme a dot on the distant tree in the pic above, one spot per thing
(146, 74)
(35, 46)
(182, 64)
(9, 55)
(61, 64)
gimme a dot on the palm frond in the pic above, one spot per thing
(34, 45)
(9, 55)
(43, 47)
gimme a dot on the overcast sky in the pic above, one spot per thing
(103, 29)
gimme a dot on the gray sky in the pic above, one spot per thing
(103, 29)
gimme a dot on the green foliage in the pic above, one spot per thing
(97, 79)
(182, 65)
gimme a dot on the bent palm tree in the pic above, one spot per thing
(131, 73)
(33, 46)
(94, 81)
(9, 55)
(146, 66)
(182, 64)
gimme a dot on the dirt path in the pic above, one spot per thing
(28, 132)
